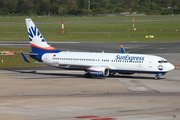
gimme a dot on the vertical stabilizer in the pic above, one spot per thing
(37, 42)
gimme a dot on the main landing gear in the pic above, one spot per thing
(156, 77)
(87, 75)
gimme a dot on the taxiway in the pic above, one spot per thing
(45, 93)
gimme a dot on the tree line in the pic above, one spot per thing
(87, 7)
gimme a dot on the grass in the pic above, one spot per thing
(94, 29)
(15, 61)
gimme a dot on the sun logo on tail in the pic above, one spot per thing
(34, 32)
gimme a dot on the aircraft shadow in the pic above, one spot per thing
(48, 75)
(71, 75)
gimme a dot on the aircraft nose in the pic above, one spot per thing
(171, 66)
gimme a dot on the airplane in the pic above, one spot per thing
(95, 64)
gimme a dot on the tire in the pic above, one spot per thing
(87, 75)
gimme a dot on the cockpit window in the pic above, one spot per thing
(162, 61)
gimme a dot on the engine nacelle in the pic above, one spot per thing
(99, 71)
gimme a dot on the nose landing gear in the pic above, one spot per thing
(158, 75)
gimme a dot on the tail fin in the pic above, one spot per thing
(37, 42)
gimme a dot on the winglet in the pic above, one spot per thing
(24, 56)
(122, 49)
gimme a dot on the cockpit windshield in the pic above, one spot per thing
(163, 61)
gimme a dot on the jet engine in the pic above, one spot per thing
(97, 72)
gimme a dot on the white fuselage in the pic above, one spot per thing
(113, 61)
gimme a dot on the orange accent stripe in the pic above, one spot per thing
(46, 48)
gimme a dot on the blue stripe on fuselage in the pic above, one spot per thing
(133, 71)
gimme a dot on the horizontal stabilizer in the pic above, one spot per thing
(24, 56)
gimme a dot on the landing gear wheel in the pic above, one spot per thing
(87, 75)
(156, 77)
(112, 74)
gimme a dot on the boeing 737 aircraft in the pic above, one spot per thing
(94, 64)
